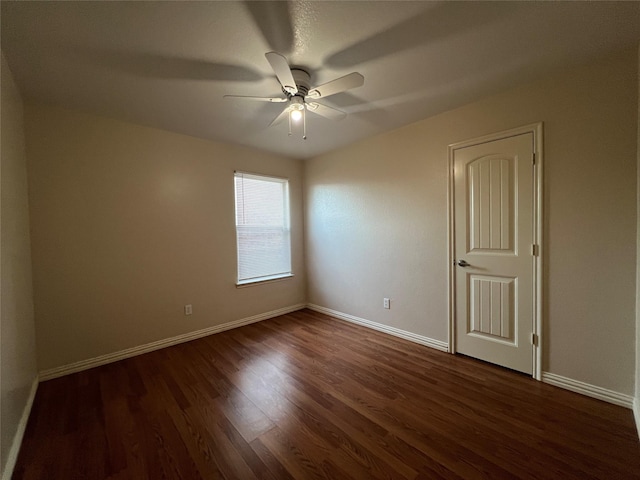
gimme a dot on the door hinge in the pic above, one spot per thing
(534, 249)
(533, 158)
(534, 339)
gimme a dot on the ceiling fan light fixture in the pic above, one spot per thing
(296, 106)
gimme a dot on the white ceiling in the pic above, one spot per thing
(168, 64)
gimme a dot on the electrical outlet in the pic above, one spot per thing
(386, 303)
(188, 309)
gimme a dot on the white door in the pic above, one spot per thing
(493, 251)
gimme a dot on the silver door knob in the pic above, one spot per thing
(463, 263)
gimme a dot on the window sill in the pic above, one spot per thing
(262, 280)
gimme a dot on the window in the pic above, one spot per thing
(262, 228)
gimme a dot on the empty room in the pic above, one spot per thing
(319, 240)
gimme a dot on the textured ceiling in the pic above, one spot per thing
(168, 64)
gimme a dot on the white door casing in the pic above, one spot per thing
(495, 242)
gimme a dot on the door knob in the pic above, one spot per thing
(463, 263)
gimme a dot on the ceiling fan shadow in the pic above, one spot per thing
(167, 67)
(357, 107)
(443, 20)
(274, 21)
(265, 112)
(377, 117)
(345, 100)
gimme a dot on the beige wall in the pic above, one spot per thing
(129, 224)
(17, 344)
(376, 218)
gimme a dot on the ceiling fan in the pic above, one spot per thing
(296, 86)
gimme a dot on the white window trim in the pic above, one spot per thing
(250, 282)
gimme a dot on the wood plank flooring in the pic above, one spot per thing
(305, 396)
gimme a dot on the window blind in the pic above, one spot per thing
(262, 227)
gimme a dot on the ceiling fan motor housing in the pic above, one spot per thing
(303, 82)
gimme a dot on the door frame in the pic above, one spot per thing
(538, 210)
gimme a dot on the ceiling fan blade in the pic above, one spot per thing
(282, 71)
(258, 99)
(280, 117)
(338, 85)
(326, 112)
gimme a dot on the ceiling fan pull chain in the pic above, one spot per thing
(304, 123)
(289, 117)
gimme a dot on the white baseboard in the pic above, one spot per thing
(589, 390)
(396, 332)
(551, 378)
(167, 342)
(12, 456)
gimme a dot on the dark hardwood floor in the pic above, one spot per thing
(305, 396)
